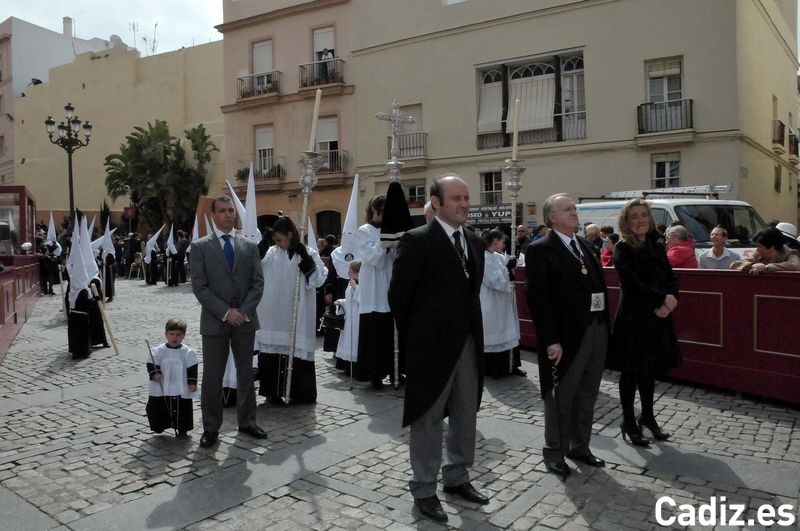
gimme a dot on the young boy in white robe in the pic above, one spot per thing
(172, 367)
(347, 349)
(499, 310)
(282, 264)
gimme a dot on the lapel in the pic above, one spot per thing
(216, 249)
(567, 257)
(238, 251)
(448, 249)
(474, 251)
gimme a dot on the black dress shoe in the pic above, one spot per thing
(589, 459)
(559, 468)
(254, 431)
(518, 372)
(468, 492)
(431, 508)
(377, 385)
(208, 439)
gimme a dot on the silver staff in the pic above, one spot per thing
(514, 171)
(311, 162)
(393, 168)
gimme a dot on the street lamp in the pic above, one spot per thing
(68, 139)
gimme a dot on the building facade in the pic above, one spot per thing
(615, 95)
(275, 58)
(116, 90)
(27, 52)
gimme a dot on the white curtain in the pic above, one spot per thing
(490, 113)
(264, 138)
(262, 57)
(537, 97)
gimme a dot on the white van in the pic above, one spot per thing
(699, 216)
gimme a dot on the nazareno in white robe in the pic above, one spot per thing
(376, 270)
(347, 349)
(275, 308)
(498, 306)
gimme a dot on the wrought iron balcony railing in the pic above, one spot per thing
(566, 126)
(334, 161)
(258, 84)
(778, 132)
(322, 73)
(266, 167)
(409, 145)
(662, 116)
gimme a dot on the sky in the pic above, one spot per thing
(181, 23)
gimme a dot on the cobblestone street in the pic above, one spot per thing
(76, 451)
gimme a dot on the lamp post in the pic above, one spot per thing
(68, 139)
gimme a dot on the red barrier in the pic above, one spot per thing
(19, 289)
(736, 331)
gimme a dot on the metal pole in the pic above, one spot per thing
(311, 162)
(71, 190)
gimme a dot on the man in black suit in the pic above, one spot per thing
(434, 296)
(567, 298)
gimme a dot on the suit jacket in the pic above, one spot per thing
(219, 289)
(436, 307)
(559, 297)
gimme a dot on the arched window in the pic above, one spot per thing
(492, 76)
(571, 64)
(532, 70)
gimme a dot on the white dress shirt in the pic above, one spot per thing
(452, 230)
(567, 239)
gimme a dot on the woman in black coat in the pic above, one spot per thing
(643, 341)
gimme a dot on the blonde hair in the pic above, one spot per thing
(622, 221)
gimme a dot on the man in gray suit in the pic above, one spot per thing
(228, 281)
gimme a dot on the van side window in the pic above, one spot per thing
(661, 217)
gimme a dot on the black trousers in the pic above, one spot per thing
(272, 376)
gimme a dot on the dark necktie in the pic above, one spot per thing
(460, 251)
(227, 250)
(575, 250)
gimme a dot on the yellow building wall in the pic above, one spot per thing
(115, 90)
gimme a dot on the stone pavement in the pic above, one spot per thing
(76, 453)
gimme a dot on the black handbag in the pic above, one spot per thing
(329, 319)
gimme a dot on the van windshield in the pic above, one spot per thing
(741, 222)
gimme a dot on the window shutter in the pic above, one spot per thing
(537, 97)
(669, 67)
(264, 138)
(262, 57)
(490, 112)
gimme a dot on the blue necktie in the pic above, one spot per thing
(227, 250)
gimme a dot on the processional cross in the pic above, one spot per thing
(394, 166)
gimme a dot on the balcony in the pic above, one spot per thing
(409, 145)
(778, 137)
(566, 126)
(793, 148)
(334, 161)
(321, 73)
(264, 84)
(265, 168)
(663, 116)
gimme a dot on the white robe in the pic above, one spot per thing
(347, 349)
(498, 305)
(173, 363)
(275, 308)
(229, 378)
(376, 270)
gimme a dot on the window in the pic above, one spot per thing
(543, 118)
(491, 188)
(265, 157)
(666, 171)
(1, 103)
(664, 80)
(328, 145)
(778, 177)
(2, 145)
(323, 38)
(416, 195)
(262, 57)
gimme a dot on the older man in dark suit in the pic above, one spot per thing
(566, 294)
(228, 281)
(435, 297)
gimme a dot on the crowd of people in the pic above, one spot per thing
(436, 312)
